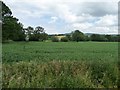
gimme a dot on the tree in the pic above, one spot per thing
(5, 10)
(115, 38)
(97, 37)
(69, 37)
(78, 36)
(118, 36)
(11, 28)
(64, 39)
(87, 38)
(43, 36)
(39, 30)
(109, 38)
(30, 30)
(38, 34)
(54, 39)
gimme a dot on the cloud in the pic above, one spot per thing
(53, 20)
(96, 9)
(105, 24)
(103, 30)
(107, 20)
(60, 16)
(81, 26)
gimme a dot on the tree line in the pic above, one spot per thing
(79, 36)
(12, 29)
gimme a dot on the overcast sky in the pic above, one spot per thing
(64, 16)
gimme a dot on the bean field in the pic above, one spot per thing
(60, 65)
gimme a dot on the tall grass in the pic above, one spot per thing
(60, 65)
(59, 74)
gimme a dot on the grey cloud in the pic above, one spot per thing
(97, 9)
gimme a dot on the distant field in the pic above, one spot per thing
(60, 64)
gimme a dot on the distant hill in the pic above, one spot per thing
(89, 34)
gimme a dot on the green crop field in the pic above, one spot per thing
(60, 64)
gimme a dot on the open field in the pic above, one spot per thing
(59, 64)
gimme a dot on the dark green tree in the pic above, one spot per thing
(118, 36)
(64, 39)
(98, 37)
(54, 39)
(78, 36)
(109, 38)
(11, 28)
(43, 36)
(69, 37)
(87, 38)
(39, 30)
(115, 38)
(30, 30)
(38, 34)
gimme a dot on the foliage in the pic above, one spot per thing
(109, 37)
(30, 30)
(69, 37)
(36, 35)
(78, 36)
(5, 10)
(54, 39)
(11, 28)
(64, 39)
(87, 38)
(106, 38)
(97, 37)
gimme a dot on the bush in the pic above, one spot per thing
(34, 38)
(55, 39)
(64, 39)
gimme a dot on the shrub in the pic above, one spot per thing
(34, 38)
(55, 39)
(64, 39)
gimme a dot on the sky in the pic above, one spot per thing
(65, 16)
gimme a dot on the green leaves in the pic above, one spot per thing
(78, 36)
(11, 28)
